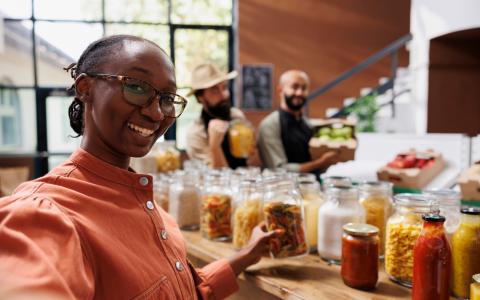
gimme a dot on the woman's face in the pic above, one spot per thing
(116, 130)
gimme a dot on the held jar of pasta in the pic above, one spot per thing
(241, 138)
(375, 197)
(247, 212)
(283, 210)
(403, 229)
(216, 209)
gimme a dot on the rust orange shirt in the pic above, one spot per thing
(90, 230)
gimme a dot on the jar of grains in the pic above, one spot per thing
(375, 197)
(403, 229)
(184, 198)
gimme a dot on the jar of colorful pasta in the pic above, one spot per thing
(247, 212)
(403, 229)
(283, 210)
(216, 208)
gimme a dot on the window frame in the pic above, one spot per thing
(42, 91)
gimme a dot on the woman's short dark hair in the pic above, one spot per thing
(91, 60)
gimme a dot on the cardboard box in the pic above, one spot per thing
(469, 182)
(413, 178)
(345, 148)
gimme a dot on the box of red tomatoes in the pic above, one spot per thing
(412, 169)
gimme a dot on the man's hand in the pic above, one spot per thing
(216, 131)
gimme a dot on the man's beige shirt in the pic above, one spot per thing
(197, 138)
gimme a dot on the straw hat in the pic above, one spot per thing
(207, 75)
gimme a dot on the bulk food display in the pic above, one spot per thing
(216, 208)
(360, 245)
(403, 229)
(341, 207)
(185, 201)
(466, 251)
(432, 261)
(375, 197)
(283, 210)
(248, 212)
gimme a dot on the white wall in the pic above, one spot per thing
(430, 19)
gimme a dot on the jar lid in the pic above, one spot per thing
(360, 229)
(476, 278)
(433, 218)
(470, 211)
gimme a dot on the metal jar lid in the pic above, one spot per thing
(360, 229)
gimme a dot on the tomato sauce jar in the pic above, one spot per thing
(360, 246)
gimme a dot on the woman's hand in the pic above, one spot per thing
(256, 248)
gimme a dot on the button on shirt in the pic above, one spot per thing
(89, 230)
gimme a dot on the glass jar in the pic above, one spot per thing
(466, 251)
(312, 200)
(166, 156)
(241, 138)
(216, 208)
(340, 181)
(161, 188)
(184, 198)
(341, 207)
(360, 246)
(449, 203)
(283, 210)
(375, 197)
(248, 212)
(475, 287)
(432, 261)
(403, 229)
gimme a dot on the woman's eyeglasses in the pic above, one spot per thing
(141, 93)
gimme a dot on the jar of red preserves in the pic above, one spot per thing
(431, 261)
(360, 245)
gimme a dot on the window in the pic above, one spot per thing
(62, 33)
(9, 117)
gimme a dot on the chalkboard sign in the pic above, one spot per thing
(256, 86)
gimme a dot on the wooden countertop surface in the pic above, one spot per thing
(308, 277)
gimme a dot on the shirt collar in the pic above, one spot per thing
(110, 172)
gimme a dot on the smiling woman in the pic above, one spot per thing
(103, 237)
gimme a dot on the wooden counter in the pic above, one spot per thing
(308, 277)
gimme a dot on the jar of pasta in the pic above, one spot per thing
(216, 207)
(449, 203)
(241, 138)
(341, 207)
(283, 210)
(403, 229)
(166, 156)
(375, 197)
(247, 212)
(184, 198)
(312, 200)
(466, 251)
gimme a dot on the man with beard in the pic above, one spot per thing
(206, 136)
(284, 134)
